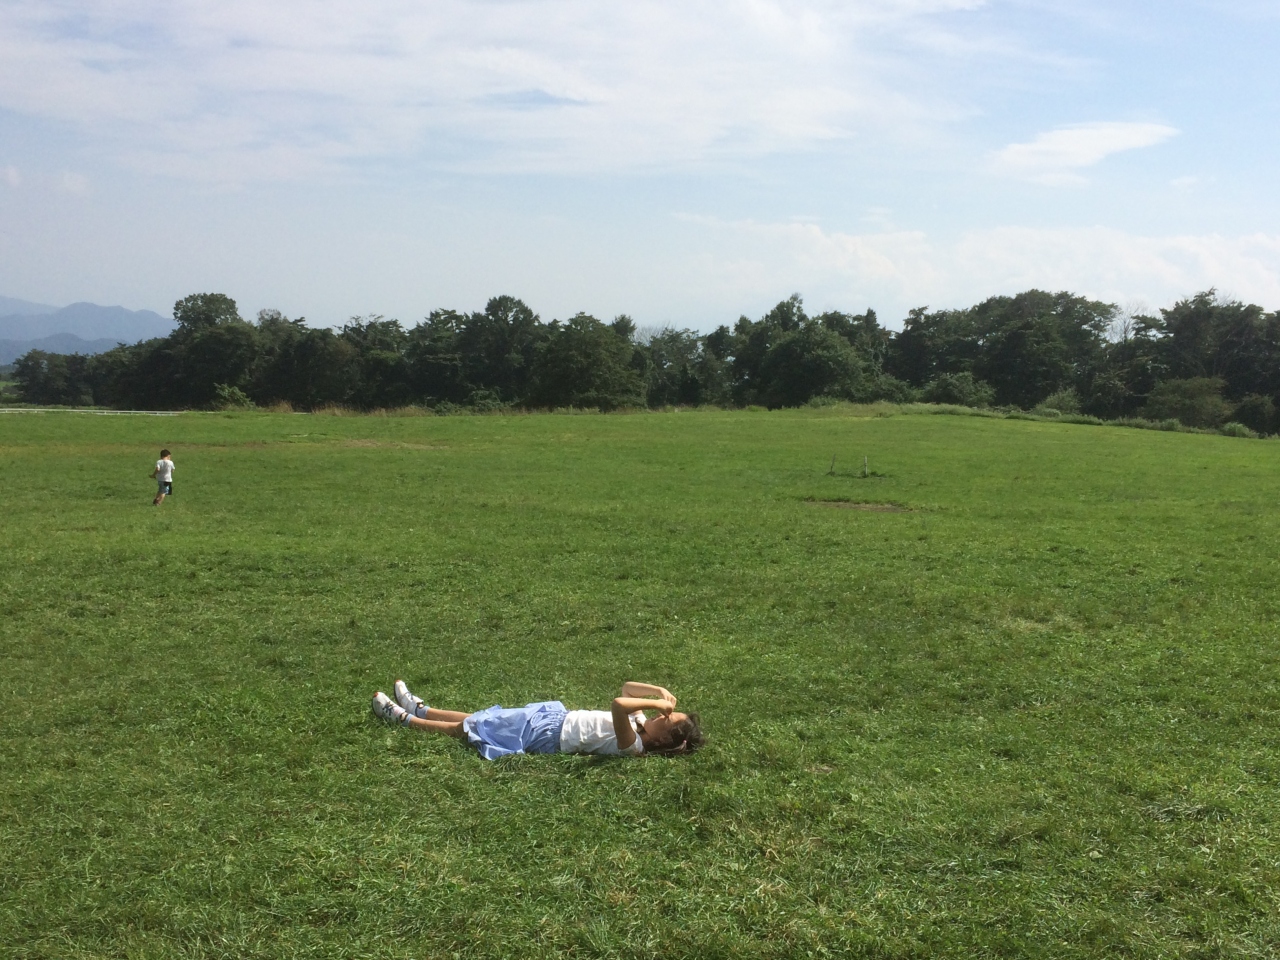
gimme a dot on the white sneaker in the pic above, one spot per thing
(383, 707)
(409, 702)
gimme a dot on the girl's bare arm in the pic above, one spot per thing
(633, 688)
(622, 709)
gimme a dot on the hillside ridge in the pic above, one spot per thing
(84, 321)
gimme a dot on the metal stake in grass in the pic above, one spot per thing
(864, 468)
(832, 471)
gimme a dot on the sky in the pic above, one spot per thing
(681, 162)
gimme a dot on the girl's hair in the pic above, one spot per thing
(685, 737)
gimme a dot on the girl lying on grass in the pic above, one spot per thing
(622, 730)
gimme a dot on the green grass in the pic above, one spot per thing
(1034, 714)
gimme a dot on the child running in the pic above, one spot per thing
(623, 730)
(163, 474)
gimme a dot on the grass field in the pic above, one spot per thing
(1033, 714)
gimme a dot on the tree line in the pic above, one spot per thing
(1204, 361)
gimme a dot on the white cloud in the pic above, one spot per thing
(73, 183)
(1118, 266)
(1056, 156)
(894, 271)
(239, 88)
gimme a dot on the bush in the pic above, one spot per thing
(230, 398)
(1196, 402)
(1137, 423)
(1234, 429)
(1256, 412)
(486, 401)
(1063, 401)
(887, 388)
(826, 400)
(960, 389)
(1109, 396)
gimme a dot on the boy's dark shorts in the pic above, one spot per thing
(165, 488)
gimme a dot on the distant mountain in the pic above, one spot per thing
(11, 350)
(86, 320)
(9, 307)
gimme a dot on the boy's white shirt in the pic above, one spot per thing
(164, 470)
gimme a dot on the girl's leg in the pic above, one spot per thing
(388, 709)
(416, 707)
(449, 728)
(451, 716)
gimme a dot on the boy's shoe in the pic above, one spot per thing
(383, 707)
(409, 702)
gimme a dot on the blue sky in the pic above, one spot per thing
(682, 162)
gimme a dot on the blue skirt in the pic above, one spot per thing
(499, 731)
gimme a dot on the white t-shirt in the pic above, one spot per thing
(164, 471)
(591, 731)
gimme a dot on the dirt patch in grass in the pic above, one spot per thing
(852, 505)
(393, 444)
